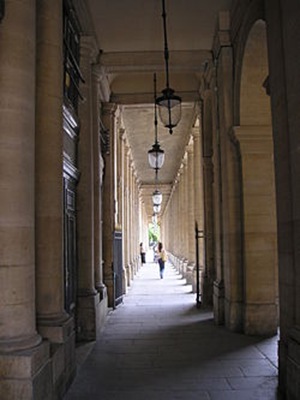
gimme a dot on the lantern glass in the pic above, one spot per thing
(156, 157)
(156, 208)
(169, 108)
(157, 197)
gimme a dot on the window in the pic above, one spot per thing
(72, 74)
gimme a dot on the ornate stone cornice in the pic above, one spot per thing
(152, 61)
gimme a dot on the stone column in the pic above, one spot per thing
(98, 180)
(53, 321)
(209, 273)
(119, 179)
(172, 224)
(199, 197)
(191, 202)
(88, 297)
(127, 215)
(180, 211)
(185, 219)
(191, 214)
(21, 371)
(98, 165)
(124, 210)
(135, 223)
(176, 211)
(130, 218)
(109, 121)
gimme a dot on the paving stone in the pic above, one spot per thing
(157, 345)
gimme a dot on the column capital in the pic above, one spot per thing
(100, 77)
(98, 71)
(123, 134)
(190, 145)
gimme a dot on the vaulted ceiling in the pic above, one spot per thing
(130, 36)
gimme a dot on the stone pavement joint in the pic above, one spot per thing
(157, 345)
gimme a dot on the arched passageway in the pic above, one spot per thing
(259, 275)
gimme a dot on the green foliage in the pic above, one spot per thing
(153, 233)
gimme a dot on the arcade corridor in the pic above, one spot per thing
(91, 160)
(158, 346)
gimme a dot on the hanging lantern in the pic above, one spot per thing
(169, 104)
(156, 208)
(169, 108)
(156, 156)
(157, 197)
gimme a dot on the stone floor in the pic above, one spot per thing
(158, 346)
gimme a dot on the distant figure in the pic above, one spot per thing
(142, 253)
(162, 258)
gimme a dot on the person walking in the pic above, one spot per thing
(142, 253)
(162, 258)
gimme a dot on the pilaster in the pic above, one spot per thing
(191, 200)
(54, 323)
(191, 214)
(260, 236)
(198, 187)
(208, 177)
(98, 181)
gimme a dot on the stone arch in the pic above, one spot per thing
(254, 134)
(254, 13)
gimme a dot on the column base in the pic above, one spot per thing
(292, 391)
(218, 300)
(282, 365)
(26, 374)
(206, 291)
(91, 316)
(261, 319)
(234, 315)
(55, 328)
(59, 330)
(190, 275)
(129, 275)
(63, 357)
(184, 266)
(102, 290)
(124, 281)
(110, 285)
